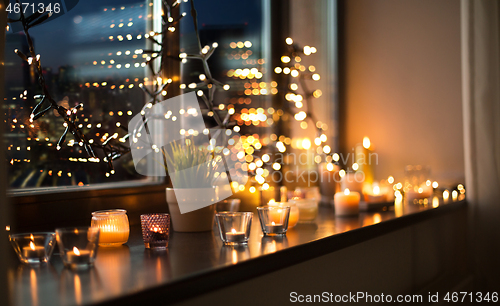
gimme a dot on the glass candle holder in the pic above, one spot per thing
(35, 248)
(114, 226)
(294, 212)
(78, 246)
(274, 219)
(234, 227)
(417, 183)
(155, 230)
(308, 209)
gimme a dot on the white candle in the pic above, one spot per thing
(234, 236)
(33, 251)
(78, 256)
(346, 203)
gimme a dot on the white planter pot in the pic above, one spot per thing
(199, 220)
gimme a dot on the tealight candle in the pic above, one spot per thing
(33, 251)
(346, 203)
(77, 256)
(276, 215)
(239, 224)
(234, 236)
(375, 196)
(78, 246)
(273, 219)
(308, 209)
(274, 228)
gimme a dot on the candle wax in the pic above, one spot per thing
(73, 258)
(274, 228)
(235, 237)
(346, 204)
(34, 252)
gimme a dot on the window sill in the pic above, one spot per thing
(197, 263)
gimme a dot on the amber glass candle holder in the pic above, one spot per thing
(114, 226)
(33, 248)
(155, 230)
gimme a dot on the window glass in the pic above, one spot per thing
(90, 55)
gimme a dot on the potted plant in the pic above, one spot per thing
(192, 169)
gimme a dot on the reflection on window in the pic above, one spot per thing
(90, 55)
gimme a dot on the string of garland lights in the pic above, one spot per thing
(113, 146)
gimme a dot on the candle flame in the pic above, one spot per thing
(347, 191)
(233, 231)
(376, 190)
(272, 201)
(366, 142)
(32, 245)
(272, 223)
(77, 251)
(31, 237)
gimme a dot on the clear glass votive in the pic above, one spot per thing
(232, 205)
(155, 230)
(274, 219)
(234, 227)
(78, 246)
(294, 212)
(308, 209)
(114, 226)
(33, 248)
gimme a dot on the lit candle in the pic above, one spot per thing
(375, 196)
(274, 228)
(454, 195)
(33, 251)
(78, 256)
(110, 233)
(277, 215)
(364, 159)
(346, 203)
(446, 195)
(234, 236)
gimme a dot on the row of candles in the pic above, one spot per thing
(78, 246)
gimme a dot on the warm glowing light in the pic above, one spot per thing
(306, 143)
(435, 184)
(76, 251)
(446, 195)
(289, 41)
(390, 179)
(32, 245)
(347, 191)
(366, 142)
(252, 189)
(376, 190)
(355, 166)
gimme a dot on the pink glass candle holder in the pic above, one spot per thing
(234, 227)
(35, 248)
(274, 219)
(155, 230)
